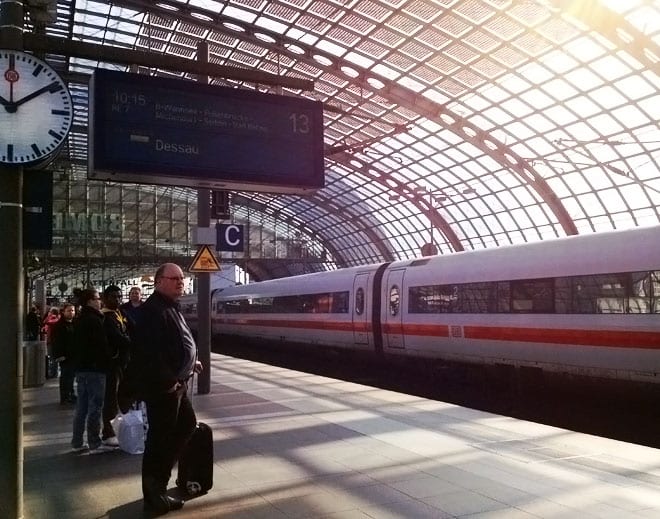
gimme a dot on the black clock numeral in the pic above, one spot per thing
(12, 61)
(37, 70)
(54, 134)
(10, 152)
(36, 149)
(55, 87)
(59, 112)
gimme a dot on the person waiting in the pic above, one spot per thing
(116, 328)
(63, 351)
(91, 360)
(131, 307)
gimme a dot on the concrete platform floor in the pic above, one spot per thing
(294, 445)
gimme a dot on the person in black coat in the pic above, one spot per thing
(32, 324)
(116, 328)
(168, 355)
(63, 351)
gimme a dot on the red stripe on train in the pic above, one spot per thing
(606, 338)
(603, 338)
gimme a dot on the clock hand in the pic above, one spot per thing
(3, 101)
(52, 88)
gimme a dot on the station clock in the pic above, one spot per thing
(36, 111)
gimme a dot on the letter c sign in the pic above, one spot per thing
(230, 237)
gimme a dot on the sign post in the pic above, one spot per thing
(203, 278)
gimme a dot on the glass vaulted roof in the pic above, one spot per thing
(474, 123)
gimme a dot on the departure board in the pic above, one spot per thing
(166, 131)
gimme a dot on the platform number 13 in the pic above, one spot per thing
(299, 123)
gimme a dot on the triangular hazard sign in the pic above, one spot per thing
(204, 261)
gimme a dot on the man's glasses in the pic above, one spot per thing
(174, 278)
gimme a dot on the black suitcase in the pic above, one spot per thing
(195, 472)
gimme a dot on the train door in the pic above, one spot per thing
(360, 322)
(393, 310)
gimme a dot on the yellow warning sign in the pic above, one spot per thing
(204, 261)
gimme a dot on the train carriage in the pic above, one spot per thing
(586, 304)
(309, 309)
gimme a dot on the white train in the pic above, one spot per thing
(587, 305)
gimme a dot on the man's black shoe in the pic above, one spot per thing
(162, 503)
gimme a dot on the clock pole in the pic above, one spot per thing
(11, 303)
(11, 337)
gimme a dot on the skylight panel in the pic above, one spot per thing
(584, 78)
(591, 204)
(607, 97)
(271, 25)
(232, 11)
(331, 48)
(410, 83)
(360, 60)
(584, 49)
(97, 7)
(499, 116)
(560, 89)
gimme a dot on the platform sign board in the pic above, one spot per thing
(38, 210)
(166, 131)
(230, 237)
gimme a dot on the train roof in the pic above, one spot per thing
(615, 251)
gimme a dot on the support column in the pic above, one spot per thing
(11, 339)
(11, 303)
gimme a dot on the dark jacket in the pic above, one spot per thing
(32, 326)
(90, 342)
(116, 328)
(130, 311)
(63, 340)
(164, 342)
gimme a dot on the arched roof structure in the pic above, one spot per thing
(467, 123)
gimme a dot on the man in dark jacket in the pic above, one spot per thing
(168, 354)
(91, 361)
(32, 324)
(63, 351)
(115, 324)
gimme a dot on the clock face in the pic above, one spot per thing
(36, 111)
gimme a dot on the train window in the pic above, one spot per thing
(639, 301)
(599, 294)
(637, 293)
(434, 299)
(476, 298)
(563, 295)
(324, 303)
(533, 296)
(503, 297)
(395, 300)
(359, 301)
(287, 305)
(339, 302)
(655, 292)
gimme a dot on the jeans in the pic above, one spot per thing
(67, 375)
(89, 406)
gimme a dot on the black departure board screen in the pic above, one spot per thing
(165, 131)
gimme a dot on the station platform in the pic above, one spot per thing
(293, 445)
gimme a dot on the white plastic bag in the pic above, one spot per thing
(129, 429)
